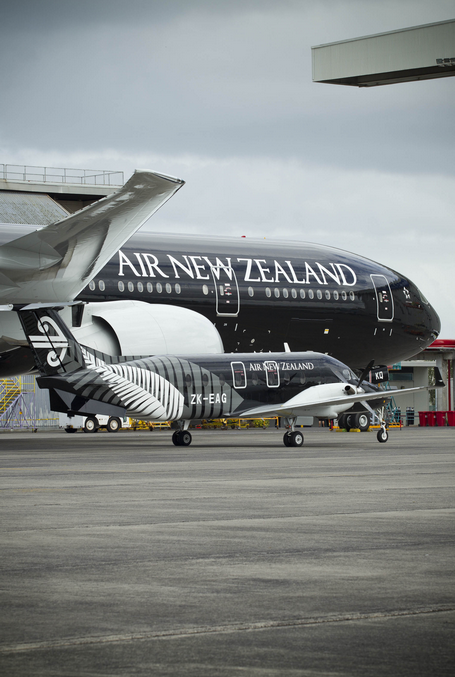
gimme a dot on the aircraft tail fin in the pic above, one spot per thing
(55, 263)
(54, 348)
(439, 382)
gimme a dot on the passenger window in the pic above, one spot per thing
(285, 293)
(277, 293)
(268, 293)
(149, 287)
(294, 293)
(250, 291)
(344, 296)
(140, 287)
(130, 286)
(352, 296)
(327, 294)
(319, 294)
(302, 294)
(91, 285)
(205, 289)
(168, 288)
(336, 295)
(310, 294)
(101, 285)
(178, 288)
(159, 287)
(121, 286)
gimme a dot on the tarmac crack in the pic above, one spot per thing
(218, 629)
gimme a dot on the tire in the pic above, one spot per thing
(185, 438)
(342, 421)
(362, 421)
(287, 438)
(91, 425)
(296, 439)
(383, 435)
(349, 422)
(176, 438)
(113, 425)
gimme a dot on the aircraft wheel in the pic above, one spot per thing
(296, 439)
(287, 438)
(176, 438)
(350, 421)
(362, 422)
(185, 438)
(383, 435)
(342, 421)
(91, 425)
(113, 425)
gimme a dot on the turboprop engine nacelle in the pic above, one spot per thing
(138, 328)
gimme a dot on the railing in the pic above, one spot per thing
(91, 177)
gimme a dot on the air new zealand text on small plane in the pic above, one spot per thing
(253, 270)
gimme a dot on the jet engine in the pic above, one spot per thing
(117, 328)
(139, 328)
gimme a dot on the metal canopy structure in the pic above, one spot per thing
(418, 53)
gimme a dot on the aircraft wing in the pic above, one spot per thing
(303, 405)
(55, 263)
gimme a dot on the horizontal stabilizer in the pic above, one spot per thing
(55, 263)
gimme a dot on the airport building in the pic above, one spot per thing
(42, 195)
(410, 54)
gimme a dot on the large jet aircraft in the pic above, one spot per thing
(184, 388)
(180, 294)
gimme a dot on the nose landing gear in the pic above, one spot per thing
(292, 438)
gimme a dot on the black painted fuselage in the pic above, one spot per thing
(262, 294)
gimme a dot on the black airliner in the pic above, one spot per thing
(196, 294)
(262, 294)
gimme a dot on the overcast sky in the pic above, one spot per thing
(219, 93)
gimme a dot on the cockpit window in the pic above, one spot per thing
(343, 373)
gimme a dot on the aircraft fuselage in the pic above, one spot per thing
(262, 294)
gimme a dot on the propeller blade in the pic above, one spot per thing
(365, 373)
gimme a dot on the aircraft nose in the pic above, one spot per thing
(431, 320)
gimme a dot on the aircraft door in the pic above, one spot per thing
(384, 298)
(226, 291)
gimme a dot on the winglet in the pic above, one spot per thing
(55, 263)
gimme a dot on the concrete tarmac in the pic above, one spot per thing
(124, 555)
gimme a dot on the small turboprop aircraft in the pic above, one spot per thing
(181, 389)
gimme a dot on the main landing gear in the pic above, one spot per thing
(292, 438)
(361, 421)
(182, 437)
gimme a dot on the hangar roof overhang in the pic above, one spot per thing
(417, 53)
